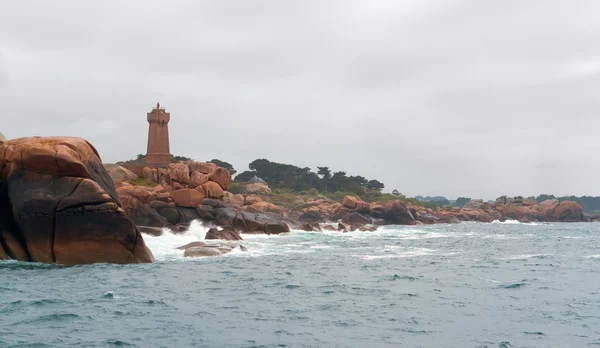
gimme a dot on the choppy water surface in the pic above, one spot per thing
(468, 285)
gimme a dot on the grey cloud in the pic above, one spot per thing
(477, 98)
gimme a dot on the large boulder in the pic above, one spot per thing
(178, 173)
(223, 214)
(221, 176)
(355, 219)
(251, 199)
(187, 197)
(135, 201)
(310, 216)
(264, 207)
(58, 204)
(396, 212)
(569, 211)
(228, 233)
(202, 167)
(235, 200)
(350, 202)
(211, 189)
(118, 173)
(2, 138)
(197, 179)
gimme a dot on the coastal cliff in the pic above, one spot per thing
(58, 205)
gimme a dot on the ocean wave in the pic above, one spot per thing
(164, 246)
(506, 222)
(527, 256)
(415, 252)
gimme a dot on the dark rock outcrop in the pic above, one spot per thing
(227, 233)
(223, 214)
(58, 204)
(203, 249)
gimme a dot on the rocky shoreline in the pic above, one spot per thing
(60, 204)
(179, 198)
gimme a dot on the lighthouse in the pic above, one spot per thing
(158, 153)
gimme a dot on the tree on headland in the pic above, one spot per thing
(339, 179)
(325, 174)
(544, 197)
(245, 176)
(375, 185)
(461, 201)
(175, 159)
(224, 164)
(298, 179)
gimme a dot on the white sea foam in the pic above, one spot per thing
(525, 256)
(506, 222)
(164, 247)
(413, 252)
(515, 222)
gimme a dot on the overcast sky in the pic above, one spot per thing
(455, 97)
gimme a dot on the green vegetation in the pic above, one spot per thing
(142, 182)
(296, 179)
(225, 165)
(140, 160)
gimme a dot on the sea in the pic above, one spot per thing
(463, 285)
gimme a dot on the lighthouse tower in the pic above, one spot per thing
(158, 137)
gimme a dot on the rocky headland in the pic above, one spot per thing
(187, 191)
(60, 204)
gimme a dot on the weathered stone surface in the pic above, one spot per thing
(119, 173)
(310, 216)
(310, 227)
(257, 187)
(147, 174)
(264, 207)
(228, 233)
(202, 167)
(251, 199)
(187, 197)
(223, 214)
(355, 219)
(186, 215)
(211, 190)
(137, 203)
(569, 211)
(547, 207)
(153, 231)
(396, 212)
(235, 200)
(58, 204)
(221, 176)
(276, 227)
(350, 202)
(191, 245)
(206, 251)
(178, 173)
(197, 179)
(329, 228)
(210, 248)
